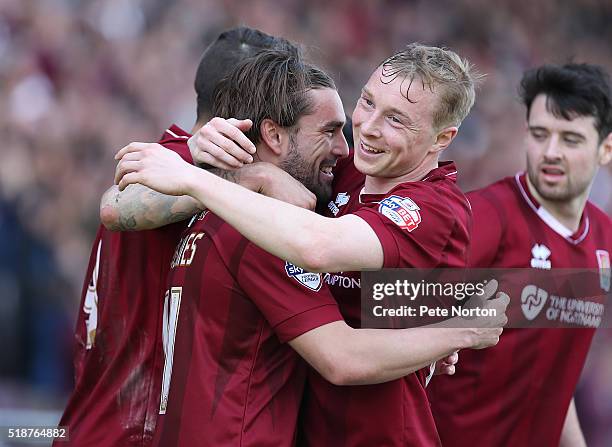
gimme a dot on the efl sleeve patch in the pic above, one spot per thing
(312, 281)
(402, 211)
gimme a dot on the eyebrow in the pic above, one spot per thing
(565, 132)
(391, 109)
(333, 124)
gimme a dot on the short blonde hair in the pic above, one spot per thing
(437, 67)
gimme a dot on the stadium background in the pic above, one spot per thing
(80, 79)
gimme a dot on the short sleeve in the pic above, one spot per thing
(292, 300)
(413, 229)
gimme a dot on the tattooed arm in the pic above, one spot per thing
(140, 208)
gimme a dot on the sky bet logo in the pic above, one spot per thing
(312, 281)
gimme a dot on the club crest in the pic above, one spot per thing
(603, 261)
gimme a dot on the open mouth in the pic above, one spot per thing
(369, 149)
(552, 171)
(326, 172)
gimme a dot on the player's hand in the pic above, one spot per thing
(222, 144)
(153, 165)
(484, 331)
(446, 366)
(272, 181)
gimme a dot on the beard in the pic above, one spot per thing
(562, 192)
(300, 169)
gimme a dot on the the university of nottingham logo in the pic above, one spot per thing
(540, 253)
(603, 261)
(341, 199)
(532, 301)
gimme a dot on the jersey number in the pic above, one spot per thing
(172, 306)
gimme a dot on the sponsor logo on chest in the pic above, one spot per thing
(565, 311)
(540, 254)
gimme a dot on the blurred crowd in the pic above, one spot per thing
(80, 79)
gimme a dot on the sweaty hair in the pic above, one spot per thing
(442, 71)
(221, 56)
(571, 90)
(270, 85)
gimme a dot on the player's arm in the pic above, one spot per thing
(307, 317)
(141, 208)
(572, 436)
(138, 207)
(300, 236)
(347, 356)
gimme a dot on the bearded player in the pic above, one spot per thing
(521, 392)
(117, 362)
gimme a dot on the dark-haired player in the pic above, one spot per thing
(115, 401)
(520, 392)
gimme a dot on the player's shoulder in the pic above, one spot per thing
(498, 195)
(597, 215)
(502, 188)
(175, 139)
(442, 196)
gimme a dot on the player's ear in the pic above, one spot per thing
(605, 150)
(273, 136)
(444, 138)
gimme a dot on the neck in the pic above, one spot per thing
(197, 126)
(568, 212)
(382, 185)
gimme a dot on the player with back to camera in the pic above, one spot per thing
(117, 359)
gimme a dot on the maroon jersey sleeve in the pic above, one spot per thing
(485, 242)
(292, 300)
(413, 225)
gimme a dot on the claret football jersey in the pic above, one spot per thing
(420, 225)
(518, 392)
(117, 377)
(230, 378)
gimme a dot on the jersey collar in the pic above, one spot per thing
(445, 170)
(174, 132)
(575, 238)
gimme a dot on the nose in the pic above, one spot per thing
(340, 148)
(370, 126)
(551, 148)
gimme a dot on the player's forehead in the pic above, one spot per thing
(402, 92)
(541, 116)
(327, 109)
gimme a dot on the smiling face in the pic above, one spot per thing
(562, 155)
(394, 137)
(317, 144)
